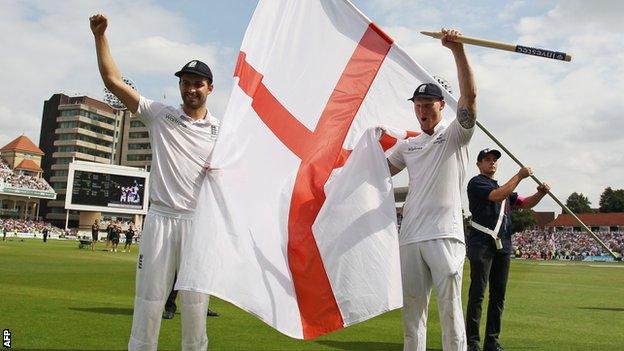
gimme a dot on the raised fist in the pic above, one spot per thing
(98, 24)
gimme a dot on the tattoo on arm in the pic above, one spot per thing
(466, 117)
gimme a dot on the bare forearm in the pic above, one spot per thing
(111, 76)
(108, 69)
(533, 200)
(467, 87)
(501, 193)
(467, 104)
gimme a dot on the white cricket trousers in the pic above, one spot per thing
(159, 260)
(440, 263)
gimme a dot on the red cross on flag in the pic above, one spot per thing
(297, 225)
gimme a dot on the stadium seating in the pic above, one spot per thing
(539, 244)
(28, 226)
(11, 179)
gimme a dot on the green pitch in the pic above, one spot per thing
(55, 296)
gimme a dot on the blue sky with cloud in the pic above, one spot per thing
(563, 119)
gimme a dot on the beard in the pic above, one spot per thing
(194, 101)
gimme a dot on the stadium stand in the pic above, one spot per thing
(539, 244)
(27, 226)
(9, 178)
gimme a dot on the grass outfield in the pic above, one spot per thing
(55, 296)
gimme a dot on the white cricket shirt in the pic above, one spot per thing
(436, 165)
(181, 147)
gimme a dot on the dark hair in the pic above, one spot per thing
(202, 77)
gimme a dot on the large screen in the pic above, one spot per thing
(109, 188)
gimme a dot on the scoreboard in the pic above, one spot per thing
(108, 188)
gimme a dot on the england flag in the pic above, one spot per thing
(296, 222)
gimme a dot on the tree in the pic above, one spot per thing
(521, 219)
(578, 203)
(612, 200)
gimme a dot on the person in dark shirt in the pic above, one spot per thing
(109, 234)
(114, 236)
(129, 236)
(95, 231)
(488, 244)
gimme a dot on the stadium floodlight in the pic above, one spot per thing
(444, 83)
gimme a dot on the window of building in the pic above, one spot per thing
(70, 136)
(63, 160)
(89, 139)
(97, 117)
(138, 135)
(59, 185)
(69, 112)
(139, 157)
(96, 129)
(136, 124)
(71, 124)
(139, 146)
(84, 150)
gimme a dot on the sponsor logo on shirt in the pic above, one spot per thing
(175, 120)
(414, 148)
(440, 139)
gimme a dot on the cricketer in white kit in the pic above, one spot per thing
(182, 140)
(431, 239)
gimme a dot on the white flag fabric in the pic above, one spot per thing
(297, 223)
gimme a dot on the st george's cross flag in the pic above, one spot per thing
(296, 222)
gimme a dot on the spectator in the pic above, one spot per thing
(129, 236)
(95, 232)
(115, 233)
(109, 234)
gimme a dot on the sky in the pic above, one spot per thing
(563, 119)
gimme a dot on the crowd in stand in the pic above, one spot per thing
(4, 166)
(9, 178)
(27, 226)
(539, 244)
(24, 181)
(5, 170)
